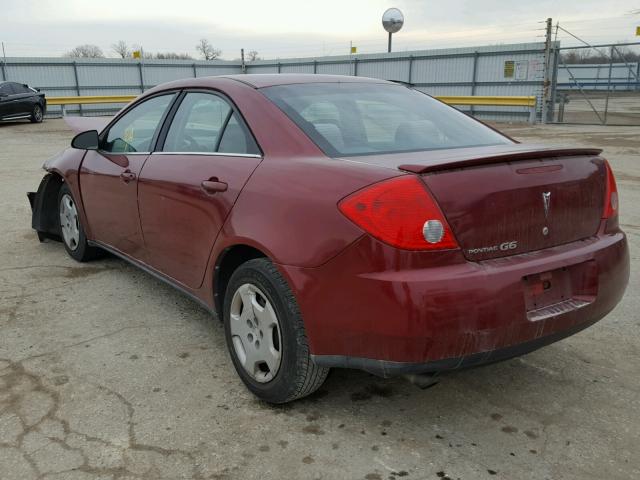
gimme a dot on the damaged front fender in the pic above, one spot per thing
(43, 203)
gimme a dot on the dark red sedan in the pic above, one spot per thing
(343, 222)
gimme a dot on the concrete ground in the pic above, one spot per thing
(106, 373)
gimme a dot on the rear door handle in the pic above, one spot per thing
(127, 176)
(213, 185)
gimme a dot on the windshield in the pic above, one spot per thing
(347, 119)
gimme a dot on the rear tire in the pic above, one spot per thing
(37, 115)
(71, 230)
(259, 308)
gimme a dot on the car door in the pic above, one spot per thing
(187, 188)
(23, 99)
(8, 106)
(109, 175)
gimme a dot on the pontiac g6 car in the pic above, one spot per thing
(343, 222)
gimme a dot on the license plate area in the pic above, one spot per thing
(559, 291)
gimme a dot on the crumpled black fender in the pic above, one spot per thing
(44, 203)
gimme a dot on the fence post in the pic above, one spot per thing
(554, 79)
(195, 72)
(474, 77)
(141, 77)
(355, 67)
(606, 100)
(278, 67)
(75, 74)
(4, 73)
(547, 66)
(532, 113)
(315, 66)
(637, 76)
(410, 69)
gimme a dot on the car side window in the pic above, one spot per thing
(205, 122)
(6, 89)
(134, 131)
(20, 88)
(198, 124)
(236, 139)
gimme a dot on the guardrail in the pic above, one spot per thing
(499, 101)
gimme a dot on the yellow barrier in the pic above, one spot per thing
(498, 101)
(90, 100)
(501, 101)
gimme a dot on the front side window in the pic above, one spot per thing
(206, 123)
(134, 131)
(346, 119)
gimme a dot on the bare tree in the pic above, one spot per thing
(85, 51)
(121, 49)
(252, 56)
(598, 56)
(173, 56)
(207, 51)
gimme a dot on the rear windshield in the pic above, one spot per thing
(348, 119)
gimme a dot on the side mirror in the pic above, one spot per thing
(86, 140)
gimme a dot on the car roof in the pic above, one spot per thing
(264, 80)
(261, 80)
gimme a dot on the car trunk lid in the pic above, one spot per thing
(511, 199)
(513, 207)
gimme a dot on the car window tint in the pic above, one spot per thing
(236, 139)
(346, 119)
(134, 131)
(5, 89)
(20, 88)
(198, 123)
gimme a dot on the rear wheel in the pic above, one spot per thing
(37, 114)
(266, 337)
(71, 231)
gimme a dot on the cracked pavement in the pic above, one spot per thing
(106, 373)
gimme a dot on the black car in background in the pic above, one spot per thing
(18, 101)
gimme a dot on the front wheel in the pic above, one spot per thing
(71, 231)
(266, 337)
(37, 114)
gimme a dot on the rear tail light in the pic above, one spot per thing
(610, 194)
(401, 213)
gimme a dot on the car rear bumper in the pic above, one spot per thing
(392, 312)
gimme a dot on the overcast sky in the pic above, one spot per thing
(287, 28)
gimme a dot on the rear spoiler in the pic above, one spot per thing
(468, 159)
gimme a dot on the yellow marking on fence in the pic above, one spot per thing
(500, 101)
(452, 100)
(89, 100)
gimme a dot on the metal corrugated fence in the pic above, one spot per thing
(511, 70)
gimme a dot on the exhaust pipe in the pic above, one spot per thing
(422, 380)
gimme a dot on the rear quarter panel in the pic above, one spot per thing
(288, 208)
